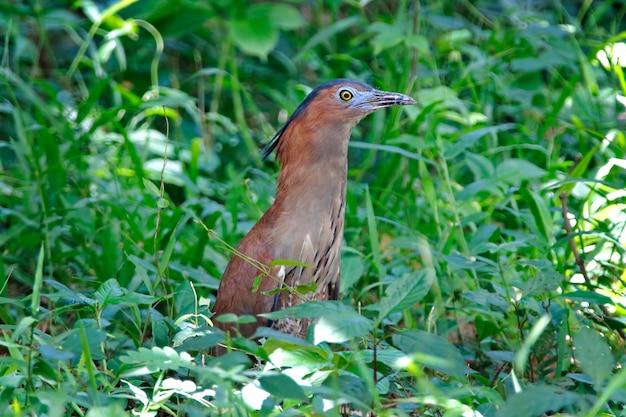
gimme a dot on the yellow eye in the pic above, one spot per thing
(346, 95)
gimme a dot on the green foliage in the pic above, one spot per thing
(485, 241)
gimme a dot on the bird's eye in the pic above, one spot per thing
(346, 95)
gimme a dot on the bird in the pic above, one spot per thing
(305, 222)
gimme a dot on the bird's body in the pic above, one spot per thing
(305, 223)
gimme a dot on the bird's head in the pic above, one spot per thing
(348, 100)
(337, 104)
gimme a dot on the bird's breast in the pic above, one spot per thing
(308, 228)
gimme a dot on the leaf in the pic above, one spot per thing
(537, 401)
(373, 233)
(51, 352)
(386, 36)
(471, 190)
(389, 149)
(389, 356)
(157, 358)
(501, 355)
(67, 295)
(431, 350)
(35, 301)
(311, 310)
(468, 139)
(588, 296)
(481, 167)
(406, 291)
(199, 340)
(541, 215)
(419, 42)
(109, 292)
(281, 386)
(339, 328)
(485, 298)
(93, 336)
(328, 32)
(349, 388)
(514, 171)
(233, 318)
(438, 96)
(337, 322)
(150, 186)
(352, 269)
(286, 17)
(594, 355)
(256, 35)
(311, 287)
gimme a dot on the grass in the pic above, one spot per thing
(484, 249)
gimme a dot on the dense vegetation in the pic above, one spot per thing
(484, 261)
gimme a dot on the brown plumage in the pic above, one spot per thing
(305, 223)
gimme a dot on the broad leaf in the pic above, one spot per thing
(537, 401)
(282, 386)
(594, 355)
(514, 171)
(406, 291)
(431, 350)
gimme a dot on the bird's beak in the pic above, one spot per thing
(375, 99)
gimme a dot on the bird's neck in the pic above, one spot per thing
(311, 192)
(314, 165)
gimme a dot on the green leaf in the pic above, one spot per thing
(373, 233)
(157, 358)
(282, 386)
(85, 341)
(536, 401)
(442, 95)
(337, 322)
(468, 139)
(341, 327)
(233, 318)
(386, 36)
(311, 310)
(113, 410)
(588, 296)
(352, 268)
(150, 186)
(514, 171)
(350, 387)
(303, 289)
(406, 291)
(594, 355)
(431, 350)
(481, 167)
(199, 340)
(485, 298)
(35, 301)
(163, 203)
(419, 42)
(109, 292)
(51, 352)
(256, 35)
(286, 17)
(541, 215)
(579, 170)
(327, 33)
(67, 295)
